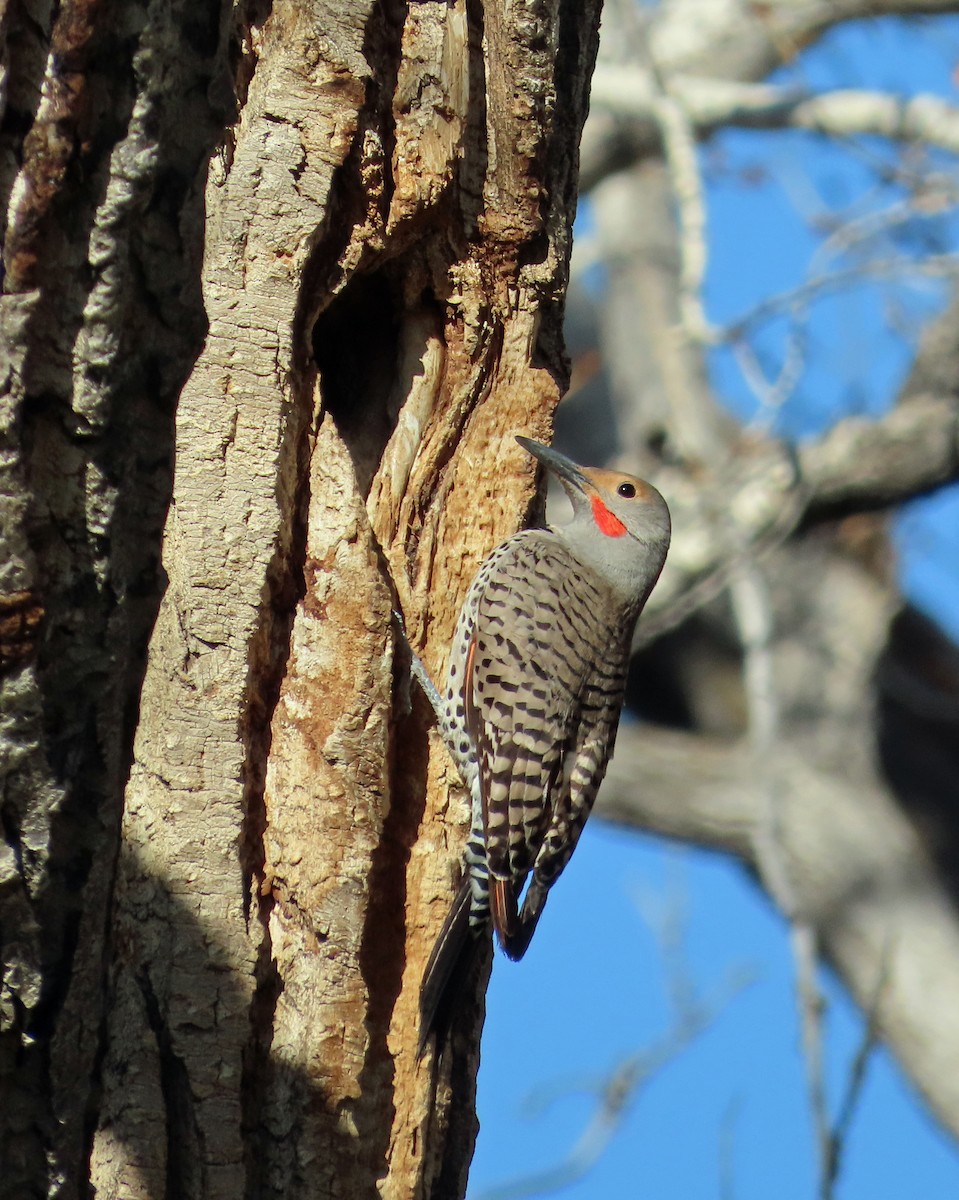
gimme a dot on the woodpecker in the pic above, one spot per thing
(534, 689)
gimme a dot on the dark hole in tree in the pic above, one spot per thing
(356, 344)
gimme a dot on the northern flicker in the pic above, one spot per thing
(534, 689)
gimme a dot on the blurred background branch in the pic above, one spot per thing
(763, 320)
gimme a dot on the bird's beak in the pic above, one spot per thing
(565, 470)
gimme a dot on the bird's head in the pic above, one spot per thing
(620, 524)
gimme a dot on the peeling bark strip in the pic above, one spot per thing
(387, 236)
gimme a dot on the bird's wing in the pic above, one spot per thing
(590, 747)
(529, 669)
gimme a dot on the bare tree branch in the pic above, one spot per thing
(682, 160)
(632, 92)
(860, 875)
(936, 265)
(855, 1083)
(725, 40)
(752, 607)
(861, 465)
(693, 1013)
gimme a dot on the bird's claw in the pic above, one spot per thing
(418, 672)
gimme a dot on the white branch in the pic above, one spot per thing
(682, 159)
(631, 91)
(752, 607)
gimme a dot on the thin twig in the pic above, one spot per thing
(618, 1091)
(939, 266)
(773, 394)
(727, 1164)
(857, 1073)
(812, 1010)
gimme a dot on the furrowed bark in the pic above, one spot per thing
(109, 116)
(387, 238)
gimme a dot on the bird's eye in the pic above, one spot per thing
(627, 489)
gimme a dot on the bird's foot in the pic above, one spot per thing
(419, 672)
(461, 755)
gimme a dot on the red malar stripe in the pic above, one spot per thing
(609, 524)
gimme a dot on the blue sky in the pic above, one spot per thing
(591, 991)
(728, 1117)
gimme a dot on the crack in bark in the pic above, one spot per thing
(186, 1157)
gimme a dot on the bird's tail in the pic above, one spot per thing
(448, 969)
(515, 930)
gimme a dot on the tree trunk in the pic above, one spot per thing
(210, 982)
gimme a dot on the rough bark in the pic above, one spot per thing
(211, 989)
(109, 116)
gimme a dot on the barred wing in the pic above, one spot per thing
(544, 685)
